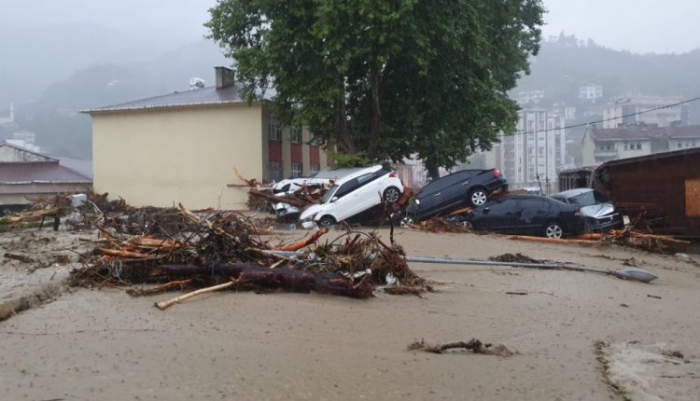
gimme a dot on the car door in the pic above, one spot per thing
(429, 197)
(496, 216)
(531, 215)
(342, 206)
(363, 196)
(456, 189)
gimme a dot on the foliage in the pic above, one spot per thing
(344, 160)
(390, 78)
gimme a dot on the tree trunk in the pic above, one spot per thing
(342, 124)
(433, 170)
(376, 111)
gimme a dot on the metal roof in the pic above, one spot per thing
(39, 173)
(195, 97)
(692, 154)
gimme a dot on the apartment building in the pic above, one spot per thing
(531, 158)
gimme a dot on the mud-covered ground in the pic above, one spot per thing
(576, 336)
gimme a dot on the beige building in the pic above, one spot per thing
(601, 145)
(184, 147)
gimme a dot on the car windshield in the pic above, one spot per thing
(329, 194)
(588, 198)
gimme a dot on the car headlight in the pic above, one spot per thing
(308, 218)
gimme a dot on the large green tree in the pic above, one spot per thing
(389, 78)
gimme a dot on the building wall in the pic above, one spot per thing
(685, 143)
(663, 117)
(187, 155)
(10, 154)
(537, 149)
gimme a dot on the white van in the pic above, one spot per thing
(353, 194)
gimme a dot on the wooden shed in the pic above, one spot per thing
(662, 189)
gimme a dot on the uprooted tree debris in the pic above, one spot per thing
(473, 345)
(177, 249)
(629, 238)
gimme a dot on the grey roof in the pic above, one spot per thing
(195, 97)
(573, 192)
(39, 173)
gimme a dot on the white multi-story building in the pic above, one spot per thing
(530, 97)
(531, 158)
(590, 92)
(10, 118)
(645, 110)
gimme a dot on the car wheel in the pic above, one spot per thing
(478, 197)
(406, 222)
(553, 230)
(467, 224)
(392, 195)
(326, 221)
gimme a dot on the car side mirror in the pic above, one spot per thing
(333, 199)
(487, 210)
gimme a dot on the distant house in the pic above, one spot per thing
(24, 173)
(183, 147)
(601, 145)
(645, 110)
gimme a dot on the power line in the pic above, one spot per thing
(544, 131)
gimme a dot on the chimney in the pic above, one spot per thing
(224, 77)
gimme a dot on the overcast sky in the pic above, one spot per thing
(636, 25)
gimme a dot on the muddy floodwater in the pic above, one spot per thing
(575, 336)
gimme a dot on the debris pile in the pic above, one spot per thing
(473, 345)
(628, 238)
(42, 208)
(440, 225)
(176, 249)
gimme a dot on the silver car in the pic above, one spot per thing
(598, 210)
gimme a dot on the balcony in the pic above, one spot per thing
(604, 155)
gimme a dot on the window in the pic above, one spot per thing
(275, 171)
(313, 141)
(295, 135)
(274, 131)
(315, 168)
(297, 169)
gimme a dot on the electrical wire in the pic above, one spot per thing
(586, 124)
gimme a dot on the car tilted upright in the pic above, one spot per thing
(354, 194)
(460, 189)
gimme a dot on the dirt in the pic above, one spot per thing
(90, 345)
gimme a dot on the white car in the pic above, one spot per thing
(324, 177)
(353, 194)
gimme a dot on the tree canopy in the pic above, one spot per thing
(388, 78)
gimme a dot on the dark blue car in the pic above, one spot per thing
(460, 189)
(527, 215)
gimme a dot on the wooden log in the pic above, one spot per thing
(662, 238)
(580, 242)
(466, 210)
(251, 276)
(280, 199)
(181, 284)
(124, 254)
(21, 258)
(293, 247)
(591, 236)
(166, 304)
(149, 242)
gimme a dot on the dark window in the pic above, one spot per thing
(295, 135)
(346, 188)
